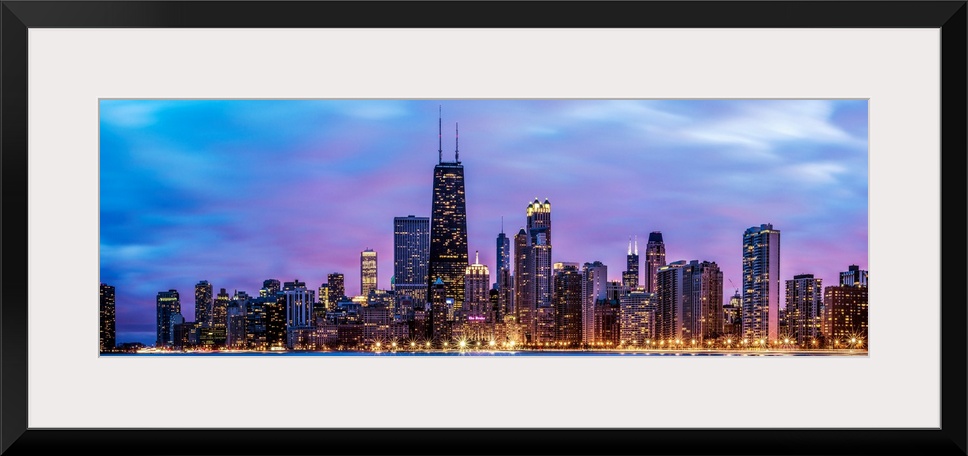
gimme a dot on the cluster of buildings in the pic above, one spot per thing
(439, 299)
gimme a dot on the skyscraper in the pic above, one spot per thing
(166, 305)
(594, 289)
(299, 311)
(439, 328)
(630, 277)
(411, 252)
(568, 305)
(524, 302)
(337, 288)
(655, 257)
(107, 318)
(804, 302)
(477, 284)
(670, 299)
(448, 226)
(637, 318)
(761, 283)
(703, 316)
(220, 309)
(539, 229)
(368, 278)
(203, 303)
(505, 293)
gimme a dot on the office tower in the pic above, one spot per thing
(367, 272)
(322, 298)
(275, 319)
(655, 257)
(203, 303)
(615, 289)
(477, 280)
(448, 227)
(439, 330)
(166, 305)
(411, 252)
(670, 297)
(524, 302)
(107, 319)
(607, 328)
(703, 312)
(505, 291)
(175, 324)
(804, 304)
(853, 276)
(845, 310)
(594, 289)
(630, 277)
(637, 318)
(220, 309)
(568, 305)
(761, 283)
(255, 322)
(539, 230)
(337, 288)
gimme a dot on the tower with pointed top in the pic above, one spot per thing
(630, 277)
(505, 300)
(477, 279)
(448, 227)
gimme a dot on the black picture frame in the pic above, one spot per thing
(18, 16)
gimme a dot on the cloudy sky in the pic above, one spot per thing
(238, 191)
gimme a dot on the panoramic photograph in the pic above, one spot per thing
(489, 227)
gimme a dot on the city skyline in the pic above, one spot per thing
(215, 185)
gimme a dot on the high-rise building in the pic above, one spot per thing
(539, 229)
(322, 298)
(107, 318)
(448, 227)
(630, 277)
(504, 285)
(568, 305)
(477, 280)
(337, 288)
(669, 300)
(235, 329)
(637, 318)
(703, 313)
(166, 305)
(804, 304)
(594, 289)
(524, 302)
(203, 303)
(761, 283)
(732, 316)
(655, 257)
(368, 278)
(220, 309)
(411, 252)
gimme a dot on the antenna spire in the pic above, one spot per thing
(636, 244)
(502, 224)
(630, 245)
(440, 143)
(457, 143)
(477, 257)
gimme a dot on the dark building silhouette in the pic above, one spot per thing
(107, 318)
(337, 288)
(448, 228)
(203, 303)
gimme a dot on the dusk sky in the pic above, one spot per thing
(239, 191)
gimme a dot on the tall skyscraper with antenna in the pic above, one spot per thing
(505, 300)
(630, 277)
(448, 224)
